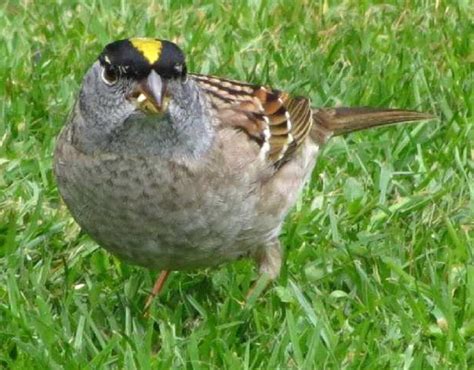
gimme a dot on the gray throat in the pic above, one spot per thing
(185, 130)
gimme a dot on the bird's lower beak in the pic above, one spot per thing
(149, 94)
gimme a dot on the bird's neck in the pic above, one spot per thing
(185, 130)
(190, 126)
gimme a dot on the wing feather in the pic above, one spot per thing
(275, 120)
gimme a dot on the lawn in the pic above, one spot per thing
(379, 251)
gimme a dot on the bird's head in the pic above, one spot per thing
(133, 75)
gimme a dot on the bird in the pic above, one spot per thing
(174, 170)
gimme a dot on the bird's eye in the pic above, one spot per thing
(109, 75)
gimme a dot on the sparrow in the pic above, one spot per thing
(173, 170)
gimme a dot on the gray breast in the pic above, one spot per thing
(161, 213)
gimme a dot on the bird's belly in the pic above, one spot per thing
(180, 220)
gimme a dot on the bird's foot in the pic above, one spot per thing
(160, 282)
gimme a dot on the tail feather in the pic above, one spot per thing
(339, 121)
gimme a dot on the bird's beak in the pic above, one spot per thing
(149, 94)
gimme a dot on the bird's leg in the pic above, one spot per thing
(160, 281)
(268, 259)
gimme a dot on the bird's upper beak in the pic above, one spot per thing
(149, 94)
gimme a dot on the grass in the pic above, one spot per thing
(379, 266)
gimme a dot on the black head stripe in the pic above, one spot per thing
(136, 57)
(121, 55)
(171, 62)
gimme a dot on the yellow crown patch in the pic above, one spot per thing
(149, 48)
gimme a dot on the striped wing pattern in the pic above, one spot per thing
(277, 122)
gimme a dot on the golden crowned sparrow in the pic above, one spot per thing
(173, 170)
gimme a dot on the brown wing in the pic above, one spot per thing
(278, 122)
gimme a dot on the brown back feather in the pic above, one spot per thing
(280, 123)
